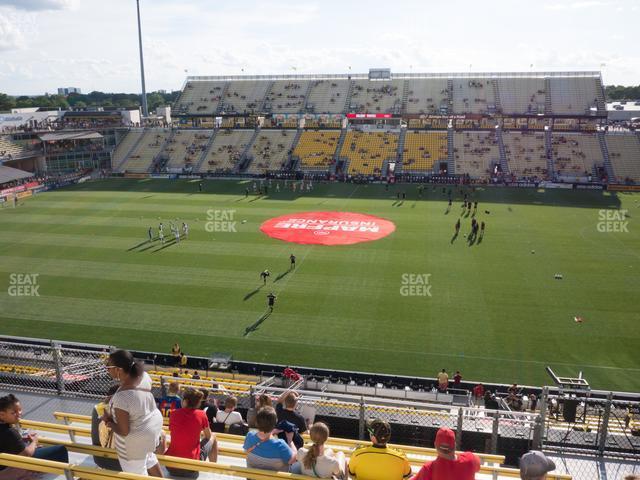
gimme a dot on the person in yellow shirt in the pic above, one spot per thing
(378, 461)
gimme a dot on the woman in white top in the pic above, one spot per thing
(229, 416)
(133, 416)
(318, 461)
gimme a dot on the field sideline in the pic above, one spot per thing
(496, 312)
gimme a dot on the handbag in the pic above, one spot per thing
(220, 427)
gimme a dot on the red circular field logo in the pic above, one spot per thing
(327, 228)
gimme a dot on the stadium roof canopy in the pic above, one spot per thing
(9, 174)
(55, 137)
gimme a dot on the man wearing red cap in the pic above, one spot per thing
(449, 465)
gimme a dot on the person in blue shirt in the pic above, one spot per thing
(266, 451)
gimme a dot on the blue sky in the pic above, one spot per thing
(91, 44)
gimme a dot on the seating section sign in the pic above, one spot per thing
(327, 228)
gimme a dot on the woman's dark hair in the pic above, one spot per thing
(266, 419)
(124, 360)
(192, 397)
(8, 401)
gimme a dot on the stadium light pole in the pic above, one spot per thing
(145, 110)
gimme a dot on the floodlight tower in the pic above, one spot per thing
(145, 110)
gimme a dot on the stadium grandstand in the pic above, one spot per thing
(500, 127)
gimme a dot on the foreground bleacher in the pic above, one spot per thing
(231, 448)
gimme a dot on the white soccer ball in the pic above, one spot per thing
(244, 221)
(533, 251)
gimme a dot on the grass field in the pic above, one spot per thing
(495, 311)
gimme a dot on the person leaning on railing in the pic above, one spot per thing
(17, 442)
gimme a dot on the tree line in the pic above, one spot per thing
(81, 100)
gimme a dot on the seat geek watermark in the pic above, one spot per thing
(23, 285)
(613, 221)
(220, 221)
(415, 285)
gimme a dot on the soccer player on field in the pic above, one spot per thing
(185, 229)
(161, 227)
(150, 234)
(458, 226)
(264, 275)
(271, 300)
(161, 236)
(292, 258)
(176, 232)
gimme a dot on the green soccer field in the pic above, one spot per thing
(496, 312)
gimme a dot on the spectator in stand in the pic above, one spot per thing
(262, 400)
(229, 416)
(318, 461)
(195, 375)
(533, 402)
(187, 425)
(211, 409)
(285, 409)
(443, 380)
(513, 389)
(478, 393)
(457, 379)
(17, 442)
(175, 351)
(263, 449)
(183, 360)
(449, 465)
(535, 466)
(370, 463)
(171, 401)
(133, 416)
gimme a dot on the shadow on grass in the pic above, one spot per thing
(454, 238)
(256, 324)
(166, 245)
(140, 244)
(252, 293)
(282, 275)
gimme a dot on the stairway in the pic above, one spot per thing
(401, 140)
(347, 104)
(303, 109)
(601, 98)
(405, 97)
(608, 166)
(504, 165)
(246, 150)
(451, 163)
(496, 95)
(548, 107)
(263, 104)
(548, 144)
(205, 152)
(291, 162)
(131, 150)
(162, 154)
(223, 98)
(343, 134)
(450, 97)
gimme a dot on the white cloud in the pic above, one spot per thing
(39, 5)
(576, 5)
(11, 36)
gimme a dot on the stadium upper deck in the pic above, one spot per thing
(530, 93)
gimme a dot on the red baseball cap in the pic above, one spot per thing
(446, 439)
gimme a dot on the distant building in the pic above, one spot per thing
(68, 90)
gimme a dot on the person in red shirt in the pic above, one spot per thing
(187, 425)
(478, 393)
(457, 378)
(449, 465)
